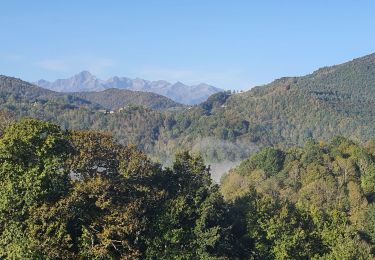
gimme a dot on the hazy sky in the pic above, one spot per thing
(230, 44)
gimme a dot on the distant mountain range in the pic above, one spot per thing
(179, 92)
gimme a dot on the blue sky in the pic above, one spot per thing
(230, 44)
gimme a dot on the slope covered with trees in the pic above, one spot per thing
(135, 124)
(69, 194)
(310, 202)
(115, 99)
(336, 100)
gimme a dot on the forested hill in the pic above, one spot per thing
(312, 202)
(117, 98)
(337, 100)
(18, 93)
(135, 124)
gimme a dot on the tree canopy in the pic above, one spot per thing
(69, 194)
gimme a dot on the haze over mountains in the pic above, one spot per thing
(179, 92)
(17, 91)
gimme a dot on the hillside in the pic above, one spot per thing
(135, 124)
(337, 100)
(14, 91)
(179, 92)
(115, 99)
(317, 196)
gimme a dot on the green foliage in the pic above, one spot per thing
(78, 194)
(317, 204)
(269, 160)
(32, 156)
(193, 223)
(370, 222)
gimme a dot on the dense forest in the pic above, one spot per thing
(309, 202)
(72, 194)
(332, 101)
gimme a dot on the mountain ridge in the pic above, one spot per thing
(179, 92)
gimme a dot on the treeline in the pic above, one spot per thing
(69, 194)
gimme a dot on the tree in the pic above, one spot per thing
(109, 208)
(193, 220)
(32, 172)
